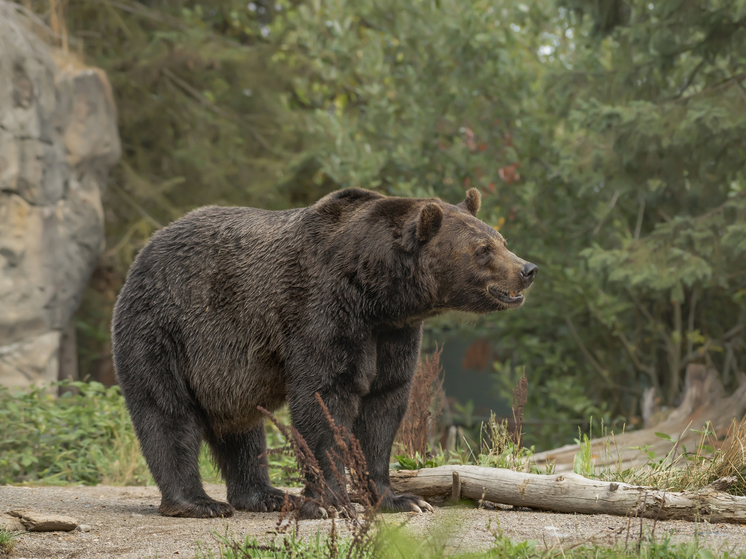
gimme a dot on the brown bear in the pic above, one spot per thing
(228, 309)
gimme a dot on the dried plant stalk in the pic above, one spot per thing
(425, 406)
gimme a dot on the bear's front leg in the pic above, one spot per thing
(311, 423)
(382, 410)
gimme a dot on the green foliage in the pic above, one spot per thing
(396, 542)
(77, 438)
(417, 462)
(583, 462)
(608, 139)
(86, 437)
(652, 141)
(405, 97)
(7, 541)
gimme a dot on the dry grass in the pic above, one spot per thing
(520, 397)
(501, 446)
(688, 470)
(128, 465)
(350, 473)
(425, 406)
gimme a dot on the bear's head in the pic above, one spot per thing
(468, 260)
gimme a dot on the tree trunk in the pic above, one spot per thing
(572, 493)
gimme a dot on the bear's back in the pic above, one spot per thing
(225, 257)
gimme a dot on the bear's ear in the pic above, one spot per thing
(429, 221)
(472, 202)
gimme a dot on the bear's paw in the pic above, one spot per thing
(201, 507)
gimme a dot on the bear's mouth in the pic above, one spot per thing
(509, 298)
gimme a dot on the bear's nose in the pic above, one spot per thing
(529, 273)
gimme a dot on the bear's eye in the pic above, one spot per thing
(484, 250)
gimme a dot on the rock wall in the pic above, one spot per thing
(58, 141)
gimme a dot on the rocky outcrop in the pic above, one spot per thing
(58, 141)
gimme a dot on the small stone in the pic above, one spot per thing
(84, 528)
(136, 514)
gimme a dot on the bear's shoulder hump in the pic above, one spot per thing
(350, 196)
(344, 202)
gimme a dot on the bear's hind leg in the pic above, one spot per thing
(242, 458)
(170, 443)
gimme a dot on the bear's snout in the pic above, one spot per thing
(529, 273)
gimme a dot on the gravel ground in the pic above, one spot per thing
(124, 523)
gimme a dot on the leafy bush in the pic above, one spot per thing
(77, 438)
(85, 436)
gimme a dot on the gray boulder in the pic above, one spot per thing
(58, 141)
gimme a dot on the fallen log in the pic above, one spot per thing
(569, 492)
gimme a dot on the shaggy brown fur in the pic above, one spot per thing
(228, 309)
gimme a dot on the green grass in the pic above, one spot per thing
(86, 438)
(7, 541)
(398, 543)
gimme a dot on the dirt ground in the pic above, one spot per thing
(124, 523)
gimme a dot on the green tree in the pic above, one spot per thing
(654, 142)
(627, 122)
(430, 98)
(608, 140)
(201, 119)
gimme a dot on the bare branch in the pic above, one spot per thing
(690, 328)
(214, 108)
(592, 360)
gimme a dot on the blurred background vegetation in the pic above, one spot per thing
(608, 140)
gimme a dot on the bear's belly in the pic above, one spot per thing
(230, 398)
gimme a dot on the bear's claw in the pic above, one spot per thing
(425, 506)
(406, 503)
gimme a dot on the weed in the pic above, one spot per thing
(287, 546)
(683, 470)
(583, 462)
(397, 542)
(349, 467)
(7, 541)
(499, 449)
(520, 397)
(425, 406)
